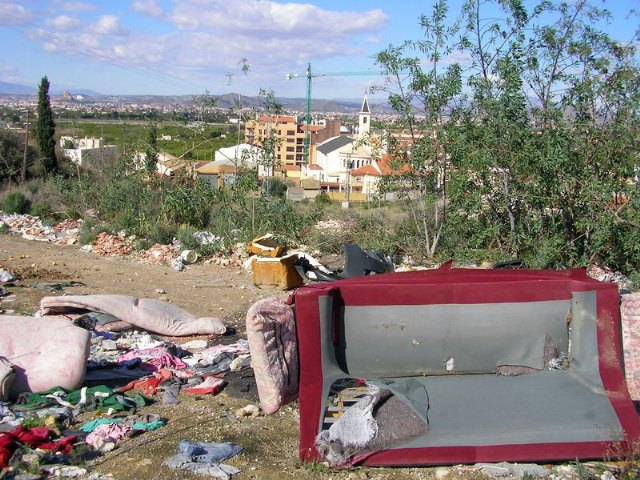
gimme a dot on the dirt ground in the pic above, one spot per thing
(270, 443)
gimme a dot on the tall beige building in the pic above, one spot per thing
(290, 134)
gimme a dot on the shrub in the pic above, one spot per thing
(89, 231)
(16, 202)
(162, 233)
(323, 199)
(41, 209)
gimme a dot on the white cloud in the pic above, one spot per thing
(212, 35)
(78, 6)
(50, 47)
(109, 25)
(14, 14)
(63, 22)
(9, 73)
(464, 59)
(266, 17)
(148, 7)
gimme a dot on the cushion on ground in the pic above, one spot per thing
(45, 352)
(145, 313)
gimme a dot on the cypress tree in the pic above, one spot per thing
(45, 129)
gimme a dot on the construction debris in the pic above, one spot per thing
(108, 245)
(32, 228)
(159, 254)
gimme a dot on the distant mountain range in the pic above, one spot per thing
(227, 100)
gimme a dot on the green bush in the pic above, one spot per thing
(188, 242)
(89, 231)
(16, 202)
(143, 244)
(162, 233)
(41, 209)
(323, 199)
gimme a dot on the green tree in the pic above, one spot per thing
(11, 155)
(267, 156)
(45, 130)
(422, 92)
(151, 150)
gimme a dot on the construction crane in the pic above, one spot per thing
(309, 76)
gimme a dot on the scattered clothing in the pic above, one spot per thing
(211, 386)
(204, 458)
(156, 358)
(148, 385)
(31, 437)
(100, 398)
(105, 436)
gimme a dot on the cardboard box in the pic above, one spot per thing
(279, 273)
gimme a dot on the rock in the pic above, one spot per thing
(248, 411)
(6, 276)
(441, 473)
(86, 248)
(177, 264)
(515, 470)
(195, 344)
(160, 290)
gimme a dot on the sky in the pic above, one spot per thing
(187, 47)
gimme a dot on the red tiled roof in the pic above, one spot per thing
(385, 164)
(277, 118)
(314, 166)
(366, 170)
(291, 168)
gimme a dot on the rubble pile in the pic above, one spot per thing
(159, 254)
(32, 228)
(108, 245)
(604, 274)
(236, 258)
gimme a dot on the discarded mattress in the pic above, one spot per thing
(503, 365)
(44, 352)
(271, 333)
(145, 313)
(630, 314)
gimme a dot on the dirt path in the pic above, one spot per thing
(271, 443)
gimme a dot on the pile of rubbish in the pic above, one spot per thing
(122, 366)
(107, 245)
(159, 254)
(32, 228)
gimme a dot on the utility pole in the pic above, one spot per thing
(23, 172)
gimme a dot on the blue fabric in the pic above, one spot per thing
(201, 452)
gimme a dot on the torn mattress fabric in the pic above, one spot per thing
(144, 313)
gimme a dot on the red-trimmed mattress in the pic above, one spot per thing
(495, 365)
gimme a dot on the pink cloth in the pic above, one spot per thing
(205, 357)
(271, 332)
(108, 432)
(630, 317)
(146, 313)
(156, 356)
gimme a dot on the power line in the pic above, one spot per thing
(72, 44)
